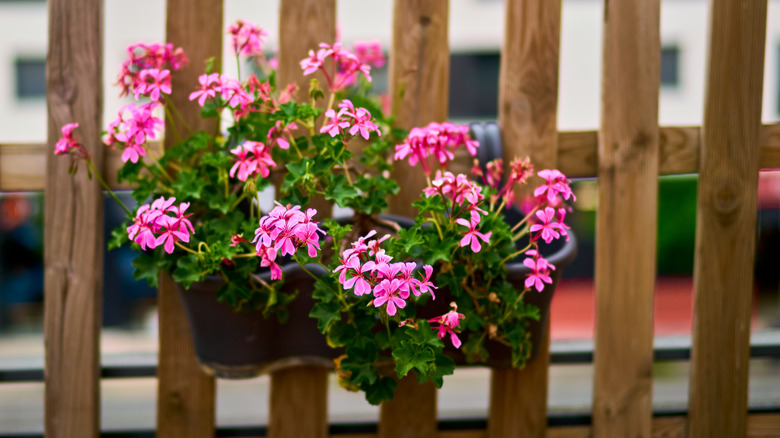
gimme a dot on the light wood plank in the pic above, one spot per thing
(299, 402)
(518, 398)
(726, 219)
(419, 81)
(185, 395)
(73, 223)
(22, 165)
(419, 90)
(299, 395)
(527, 118)
(411, 413)
(626, 225)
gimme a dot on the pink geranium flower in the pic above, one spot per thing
(333, 125)
(472, 236)
(547, 228)
(447, 324)
(209, 83)
(540, 271)
(68, 141)
(360, 276)
(387, 292)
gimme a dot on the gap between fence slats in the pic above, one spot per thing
(626, 224)
(73, 221)
(527, 118)
(299, 395)
(22, 165)
(186, 395)
(419, 92)
(726, 219)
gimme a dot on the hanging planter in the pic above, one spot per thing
(242, 344)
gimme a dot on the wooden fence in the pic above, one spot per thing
(627, 155)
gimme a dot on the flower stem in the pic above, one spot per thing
(517, 253)
(517, 225)
(185, 248)
(106, 187)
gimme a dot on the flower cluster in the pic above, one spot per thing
(133, 127)
(252, 158)
(350, 120)
(345, 65)
(520, 171)
(147, 69)
(370, 52)
(69, 144)
(465, 198)
(161, 223)
(247, 38)
(366, 268)
(447, 324)
(282, 232)
(437, 140)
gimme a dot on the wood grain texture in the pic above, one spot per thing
(303, 394)
(518, 398)
(419, 81)
(22, 165)
(626, 224)
(419, 89)
(411, 413)
(73, 223)
(303, 25)
(299, 395)
(527, 118)
(726, 219)
(186, 395)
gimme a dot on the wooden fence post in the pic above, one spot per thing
(419, 89)
(626, 224)
(299, 395)
(726, 219)
(527, 116)
(185, 395)
(73, 223)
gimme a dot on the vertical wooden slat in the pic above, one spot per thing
(420, 70)
(299, 402)
(527, 116)
(627, 219)
(73, 223)
(185, 395)
(299, 395)
(419, 90)
(726, 219)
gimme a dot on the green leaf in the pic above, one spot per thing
(129, 171)
(189, 186)
(339, 190)
(325, 314)
(381, 390)
(187, 270)
(147, 267)
(118, 236)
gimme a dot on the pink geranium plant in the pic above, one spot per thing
(386, 294)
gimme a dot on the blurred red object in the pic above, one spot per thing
(769, 189)
(14, 210)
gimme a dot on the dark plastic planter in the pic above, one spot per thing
(238, 345)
